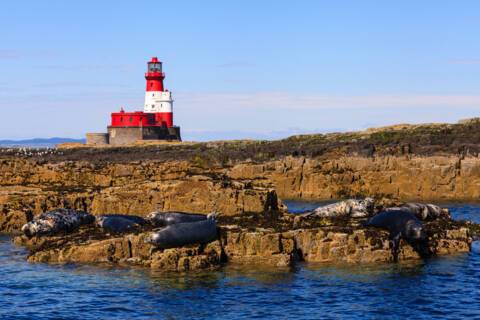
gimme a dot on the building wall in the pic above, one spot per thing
(124, 135)
(132, 119)
(97, 139)
(174, 133)
(129, 135)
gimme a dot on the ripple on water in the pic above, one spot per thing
(446, 287)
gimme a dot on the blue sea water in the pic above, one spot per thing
(443, 287)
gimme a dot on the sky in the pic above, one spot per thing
(238, 69)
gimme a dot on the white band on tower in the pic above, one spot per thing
(158, 101)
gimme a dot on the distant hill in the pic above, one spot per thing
(38, 142)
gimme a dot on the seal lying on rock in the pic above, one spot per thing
(351, 208)
(162, 219)
(401, 224)
(424, 211)
(57, 221)
(182, 234)
(119, 223)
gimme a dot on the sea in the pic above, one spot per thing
(445, 287)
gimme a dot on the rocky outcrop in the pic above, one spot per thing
(267, 241)
(90, 246)
(337, 245)
(242, 180)
(402, 177)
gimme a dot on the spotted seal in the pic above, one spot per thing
(351, 208)
(182, 234)
(119, 223)
(162, 219)
(400, 224)
(57, 221)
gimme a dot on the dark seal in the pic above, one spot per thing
(162, 219)
(119, 223)
(182, 234)
(400, 224)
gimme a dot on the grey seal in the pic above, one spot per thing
(424, 211)
(348, 208)
(400, 224)
(182, 234)
(57, 221)
(162, 219)
(119, 223)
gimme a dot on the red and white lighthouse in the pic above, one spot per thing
(155, 122)
(157, 99)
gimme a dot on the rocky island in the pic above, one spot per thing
(245, 182)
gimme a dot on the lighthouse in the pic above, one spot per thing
(158, 100)
(155, 122)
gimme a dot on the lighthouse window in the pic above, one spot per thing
(154, 67)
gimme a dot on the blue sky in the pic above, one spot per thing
(238, 69)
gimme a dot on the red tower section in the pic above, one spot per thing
(158, 100)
